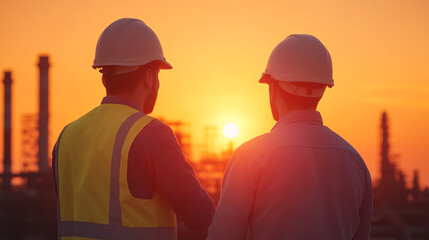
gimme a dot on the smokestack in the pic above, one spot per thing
(43, 113)
(385, 160)
(7, 162)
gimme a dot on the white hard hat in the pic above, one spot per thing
(300, 58)
(128, 43)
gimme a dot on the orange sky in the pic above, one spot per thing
(219, 49)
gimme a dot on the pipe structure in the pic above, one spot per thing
(7, 161)
(43, 113)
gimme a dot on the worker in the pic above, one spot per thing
(120, 173)
(301, 180)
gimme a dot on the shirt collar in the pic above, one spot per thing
(310, 116)
(119, 100)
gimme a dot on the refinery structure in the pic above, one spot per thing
(28, 210)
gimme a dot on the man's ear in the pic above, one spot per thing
(103, 80)
(273, 91)
(149, 80)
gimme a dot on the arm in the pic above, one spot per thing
(236, 203)
(365, 211)
(54, 159)
(176, 181)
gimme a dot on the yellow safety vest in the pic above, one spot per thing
(94, 201)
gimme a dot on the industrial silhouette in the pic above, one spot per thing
(7, 161)
(28, 209)
(400, 212)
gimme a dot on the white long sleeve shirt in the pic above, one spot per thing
(300, 181)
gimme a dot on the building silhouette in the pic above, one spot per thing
(210, 168)
(7, 143)
(28, 209)
(400, 212)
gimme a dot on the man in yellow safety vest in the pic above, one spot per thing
(119, 173)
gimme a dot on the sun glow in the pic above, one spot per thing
(230, 130)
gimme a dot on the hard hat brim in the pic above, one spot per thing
(264, 78)
(164, 65)
(302, 91)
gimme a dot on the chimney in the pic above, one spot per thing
(43, 113)
(7, 162)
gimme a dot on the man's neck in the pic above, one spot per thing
(286, 110)
(134, 100)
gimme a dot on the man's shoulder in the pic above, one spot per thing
(293, 137)
(155, 131)
(255, 146)
(158, 127)
(339, 142)
(342, 144)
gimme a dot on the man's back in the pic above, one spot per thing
(301, 181)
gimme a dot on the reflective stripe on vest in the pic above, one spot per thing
(115, 228)
(114, 232)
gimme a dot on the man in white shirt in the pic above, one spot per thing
(301, 180)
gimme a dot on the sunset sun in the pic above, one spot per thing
(230, 130)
